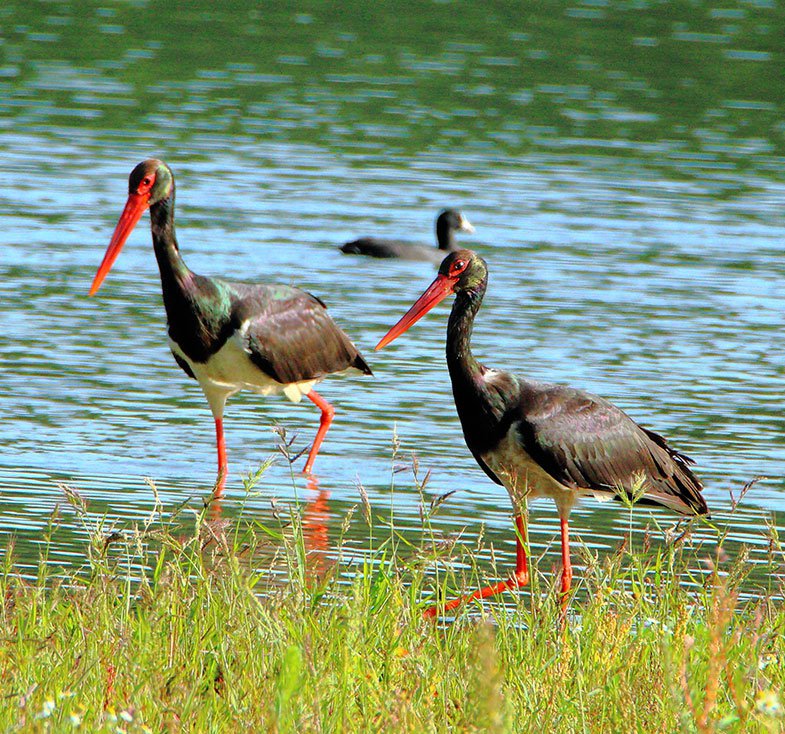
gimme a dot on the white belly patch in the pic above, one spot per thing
(230, 370)
(524, 478)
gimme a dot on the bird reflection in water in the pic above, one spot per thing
(216, 532)
(316, 517)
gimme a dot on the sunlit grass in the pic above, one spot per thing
(187, 622)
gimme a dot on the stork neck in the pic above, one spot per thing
(481, 408)
(445, 235)
(460, 360)
(466, 373)
(174, 272)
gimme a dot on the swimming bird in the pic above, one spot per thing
(229, 337)
(448, 223)
(541, 439)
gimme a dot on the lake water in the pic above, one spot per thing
(621, 162)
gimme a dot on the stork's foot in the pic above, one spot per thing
(519, 579)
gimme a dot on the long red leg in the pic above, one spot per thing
(327, 418)
(519, 578)
(566, 572)
(222, 464)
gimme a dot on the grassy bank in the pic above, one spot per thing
(190, 623)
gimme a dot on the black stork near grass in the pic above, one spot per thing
(539, 439)
(448, 223)
(229, 336)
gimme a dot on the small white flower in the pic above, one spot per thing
(766, 660)
(46, 709)
(651, 622)
(768, 703)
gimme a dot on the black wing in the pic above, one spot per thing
(373, 247)
(291, 337)
(184, 366)
(586, 442)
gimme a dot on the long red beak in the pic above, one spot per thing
(134, 208)
(436, 293)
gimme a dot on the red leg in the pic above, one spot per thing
(222, 464)
(327, 418)
(519, 578)
(566, 572)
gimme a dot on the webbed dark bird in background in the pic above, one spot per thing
(448, 223)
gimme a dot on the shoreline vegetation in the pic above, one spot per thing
(189, 622)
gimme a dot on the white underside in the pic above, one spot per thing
(230, 370)
(524, 479)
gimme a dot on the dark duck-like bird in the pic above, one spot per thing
(539, 439)
(230, 336)
(448, 223)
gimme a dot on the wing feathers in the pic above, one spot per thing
(292, 338)
(586, 442)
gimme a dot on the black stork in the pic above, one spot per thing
(230, 336)
(540, 439)
(448, 223)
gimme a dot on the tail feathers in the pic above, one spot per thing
(360, 364)
(679, 489)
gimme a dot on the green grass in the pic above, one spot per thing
(195, 624)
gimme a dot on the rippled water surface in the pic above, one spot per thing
(621, 162)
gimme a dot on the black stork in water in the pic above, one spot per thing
(448, 223)
(540, 439)
(231, 336)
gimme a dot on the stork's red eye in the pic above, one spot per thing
(145, 184)
(458, 267)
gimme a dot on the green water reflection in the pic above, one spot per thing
(685, 85)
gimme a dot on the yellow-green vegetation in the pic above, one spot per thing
(208, 625)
